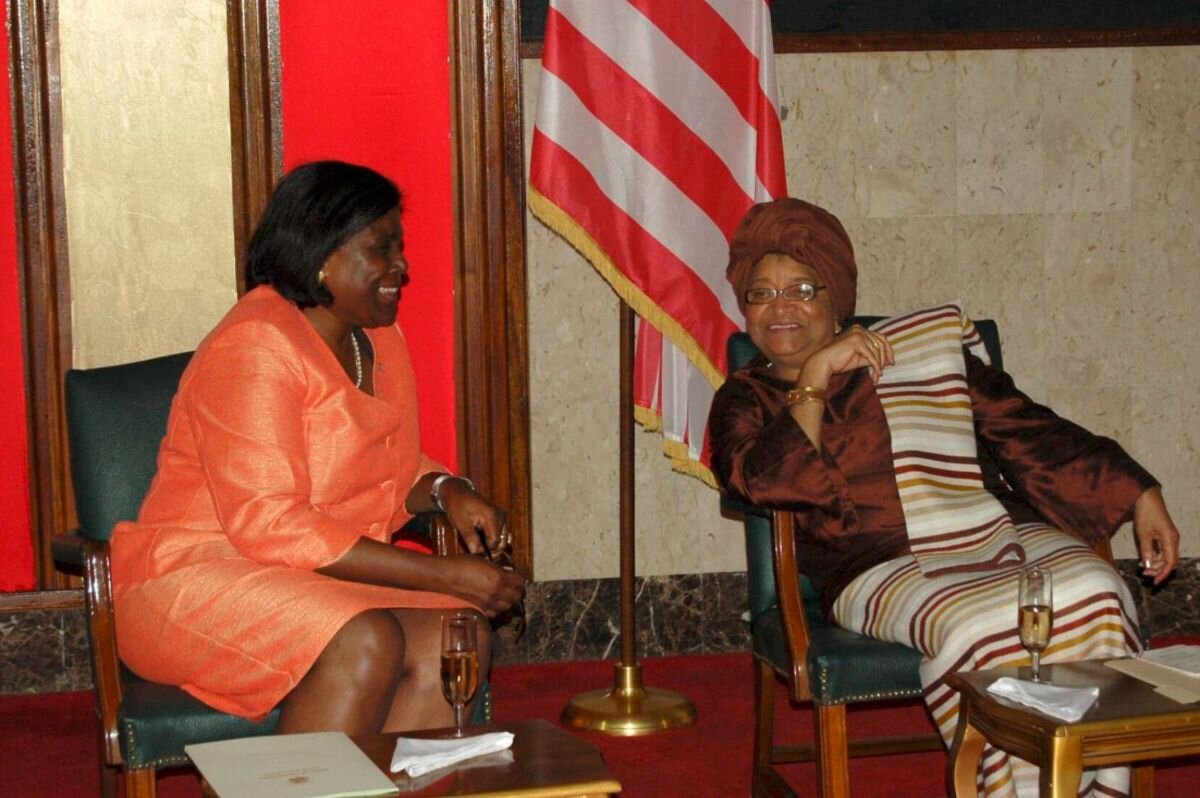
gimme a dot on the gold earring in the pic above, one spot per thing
(321, 277)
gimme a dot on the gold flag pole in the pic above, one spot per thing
(628, 709)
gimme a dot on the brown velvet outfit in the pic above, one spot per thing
(848, 512)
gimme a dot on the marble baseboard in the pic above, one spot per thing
(581, 619)
(703, 614)
(1172, 609)
(46, 650)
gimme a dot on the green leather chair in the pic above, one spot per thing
(821, 664)
(116, 419)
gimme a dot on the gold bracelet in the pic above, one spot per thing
(804, 394)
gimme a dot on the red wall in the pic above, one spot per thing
(369, 82)
(366, 82)
(16, 546)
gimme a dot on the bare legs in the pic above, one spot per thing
(351, 684)
(419, 702)
(379, 672)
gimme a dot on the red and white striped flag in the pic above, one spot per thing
(657, 128)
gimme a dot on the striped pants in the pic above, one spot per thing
(969, 622)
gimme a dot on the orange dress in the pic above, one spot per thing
(273, 465)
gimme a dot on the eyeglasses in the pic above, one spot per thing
(800, 292)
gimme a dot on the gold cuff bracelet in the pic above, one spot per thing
(805, 394)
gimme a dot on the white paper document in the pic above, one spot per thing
(318, 765)
(1182, 659)
(1178, 694)
(1174, 671)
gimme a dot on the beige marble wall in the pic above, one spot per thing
(1057, 191)
(145, 105)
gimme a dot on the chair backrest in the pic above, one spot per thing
(116, 420)
(760, 574)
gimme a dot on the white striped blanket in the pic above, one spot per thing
(954, 523)
(968, 621)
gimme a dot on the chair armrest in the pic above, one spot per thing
(90, 556)
(69, 552)
(436, 528)
(791, 601)
(736, 507)
(446, 541)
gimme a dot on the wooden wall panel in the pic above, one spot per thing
(42, 264)
(492, 356)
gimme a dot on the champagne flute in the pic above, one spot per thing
(1035, 613)
(460, 663)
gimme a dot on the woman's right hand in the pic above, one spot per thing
(1157, 536)
(853, 348)
(486, 585)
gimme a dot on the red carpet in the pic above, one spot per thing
(49, 747)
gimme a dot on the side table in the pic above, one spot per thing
(547, 762)
(1129, 723)
(544, 762)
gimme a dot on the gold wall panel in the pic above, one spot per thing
(145, 108)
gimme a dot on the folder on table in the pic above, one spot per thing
(317, 765)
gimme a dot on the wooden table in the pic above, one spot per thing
(547, 762)
(1129, 723)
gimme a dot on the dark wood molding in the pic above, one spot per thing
(254, 114)
(960, 40)
(982, 40)
(41, 600)
(491, 330)
(43, 269)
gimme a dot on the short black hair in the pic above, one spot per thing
(313, 210)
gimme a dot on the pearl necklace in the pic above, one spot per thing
(357, 360)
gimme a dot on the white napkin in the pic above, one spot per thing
(406, 784)
(418, 756)
(1065, 703)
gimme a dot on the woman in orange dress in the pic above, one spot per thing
(260, 570)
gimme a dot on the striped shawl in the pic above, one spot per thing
(954, 523)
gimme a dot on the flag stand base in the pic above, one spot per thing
(629, 709)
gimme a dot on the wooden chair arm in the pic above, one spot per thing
(69, 552)
(444, 536)
(446, 540)
(76, 550)
(791, 602)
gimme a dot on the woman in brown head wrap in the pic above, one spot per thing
(802, 428)
(792, 267)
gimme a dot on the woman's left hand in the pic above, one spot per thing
(1157, 536)
(853, 348)
(468, 512)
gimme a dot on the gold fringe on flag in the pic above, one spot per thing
(675, 451)
(573, 233)
(562, 223)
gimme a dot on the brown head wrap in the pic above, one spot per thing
(802, 231)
